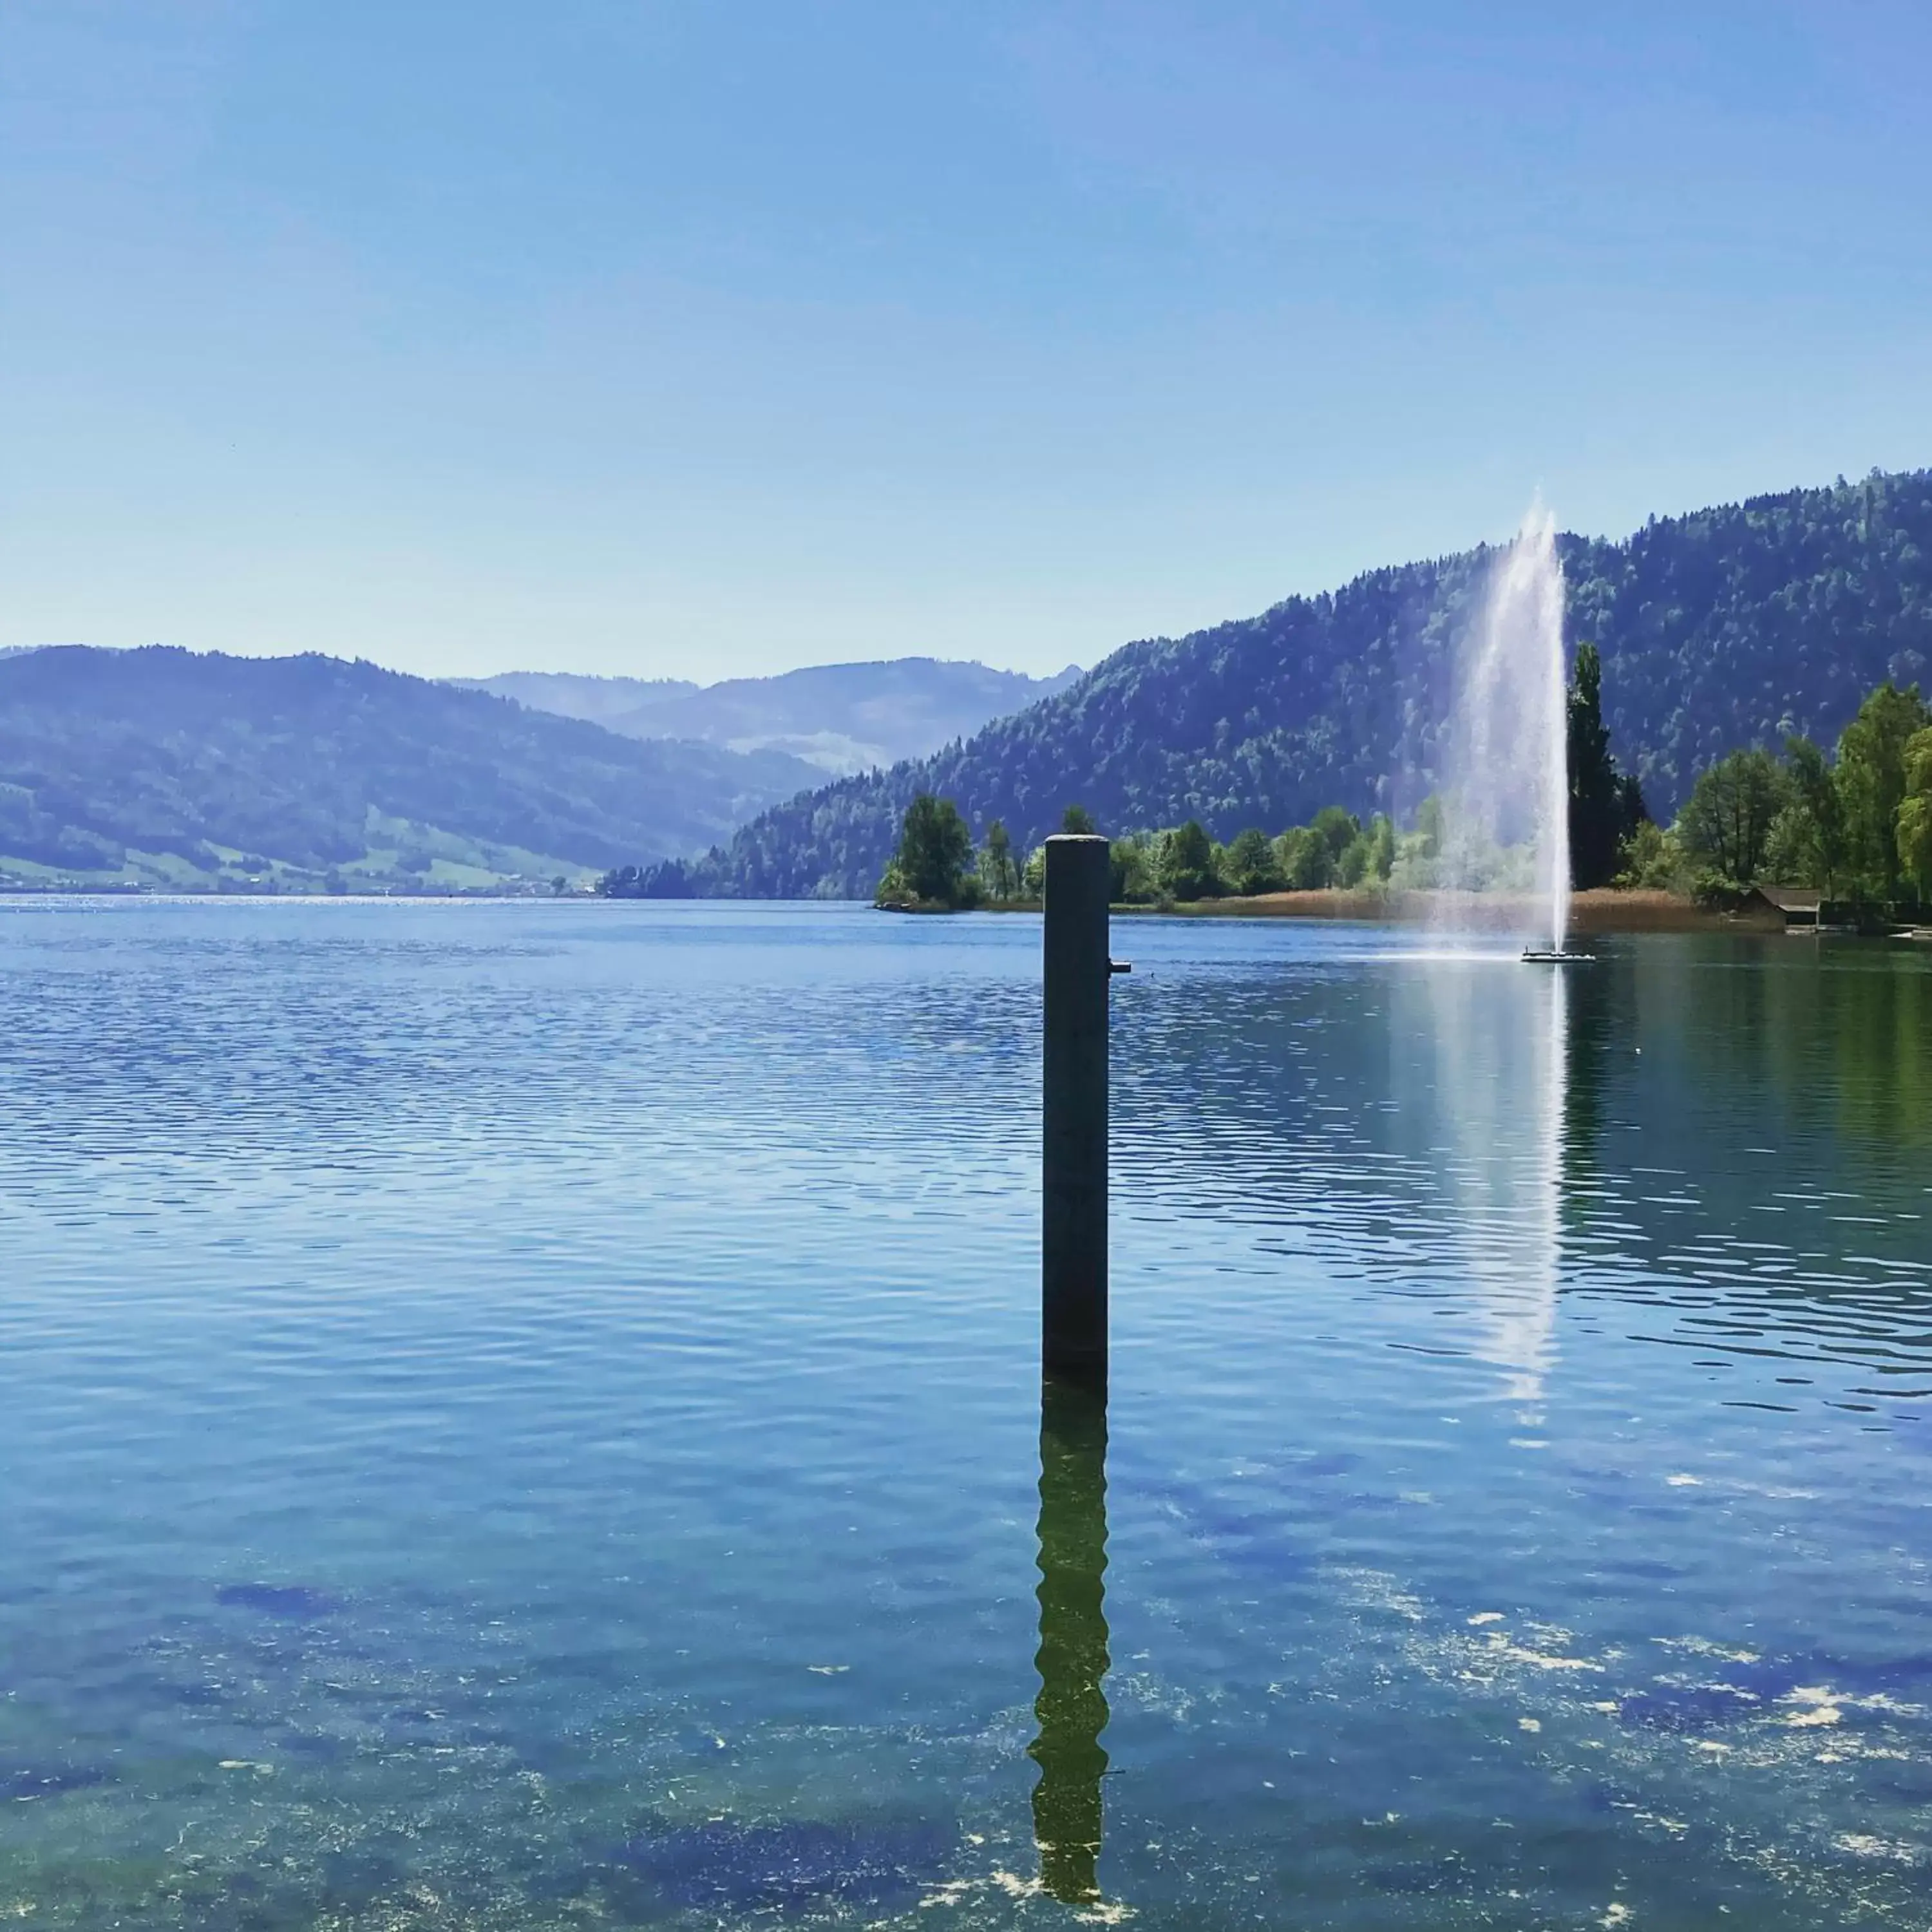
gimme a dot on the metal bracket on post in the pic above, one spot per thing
(1073, 1234)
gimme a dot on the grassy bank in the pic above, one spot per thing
(1604, 911)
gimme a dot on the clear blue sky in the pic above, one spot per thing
(704, 339)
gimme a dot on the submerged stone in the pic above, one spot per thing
(787, 1865)
(1907, 1678)
(1414, 1879)
(1258, 1540)
(1742, 1688)
(21, 1782)
(277, 1599)
(354, 1878)
(1699, 1707)
(318, 1747)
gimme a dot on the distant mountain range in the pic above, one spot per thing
(178, 768)
(1729, 627)
(842, 719)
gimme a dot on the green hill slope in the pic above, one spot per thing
(1725, 627)
(176, 767)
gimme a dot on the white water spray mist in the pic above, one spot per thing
(1505, 772)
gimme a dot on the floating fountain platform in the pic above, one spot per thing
(1542, 956)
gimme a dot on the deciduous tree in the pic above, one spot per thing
(1305, 861)
(1915, 815)
(1252, 866)
(1812, 843)
(935, 848)
(1726, 822)
(1185, 865)
(1871, 781)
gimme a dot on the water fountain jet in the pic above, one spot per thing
(1506, 813)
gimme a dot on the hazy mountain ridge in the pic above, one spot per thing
(196, 763)
(844, 718)
(596, 700)
(1726, 627)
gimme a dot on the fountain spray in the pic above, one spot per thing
(1506, 767)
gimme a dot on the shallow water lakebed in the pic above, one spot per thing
(527, 1416)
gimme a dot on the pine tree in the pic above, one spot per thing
(1598, 805)
(1002, 875)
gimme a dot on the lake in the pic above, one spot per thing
(527, 1416)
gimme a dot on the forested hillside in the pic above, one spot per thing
(1729, 627)
(174, 767)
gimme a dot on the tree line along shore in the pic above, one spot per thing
(1853, 826)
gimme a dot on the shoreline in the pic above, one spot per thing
(1602, 909)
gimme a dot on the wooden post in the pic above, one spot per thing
(1073, 1243)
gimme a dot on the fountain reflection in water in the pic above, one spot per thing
(1505, 772)
(1498, 1075)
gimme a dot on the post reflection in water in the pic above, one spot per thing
(1072, 1659)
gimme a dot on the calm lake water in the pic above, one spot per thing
(527, 1416)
